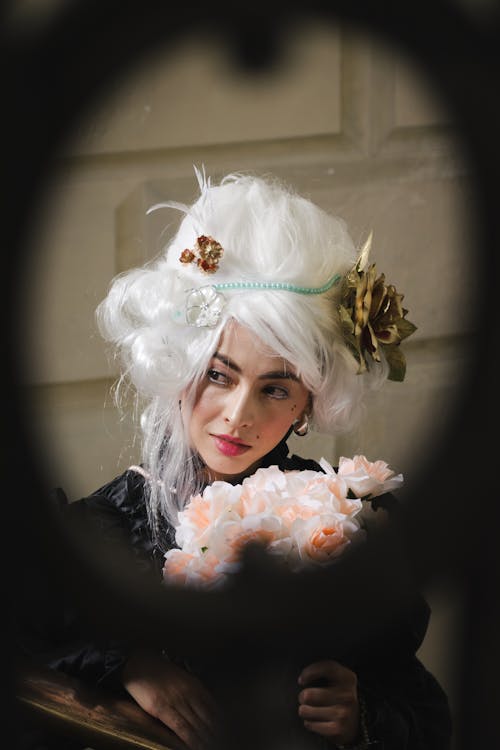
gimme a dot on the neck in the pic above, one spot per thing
(210, 476)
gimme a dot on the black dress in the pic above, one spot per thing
(406, 707)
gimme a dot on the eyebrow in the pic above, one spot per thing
(274, 374)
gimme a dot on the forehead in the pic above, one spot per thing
(245, 348)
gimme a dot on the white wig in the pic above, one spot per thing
(269, 234)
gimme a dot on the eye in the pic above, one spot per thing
(276, 391)
(214, 376)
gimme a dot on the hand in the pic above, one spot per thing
(331, 710)
(172, 695)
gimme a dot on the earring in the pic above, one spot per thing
(301, 427)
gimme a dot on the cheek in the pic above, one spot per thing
(207, 406)
(274, 429)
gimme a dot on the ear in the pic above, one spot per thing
(301, 425)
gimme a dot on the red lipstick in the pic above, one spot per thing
(229, 445)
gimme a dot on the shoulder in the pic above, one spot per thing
(114, 516)
(120, 502)
(124, 493)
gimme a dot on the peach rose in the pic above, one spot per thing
(323, 538)
(331, 490)
(291, 511)
(257, 501)
(266, 529)
(270, 478)
(367, 478)
(220, 500)
(182, 568)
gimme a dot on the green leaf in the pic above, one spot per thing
(203, 549)
(346, 320)
(405, 328)
(397, 363)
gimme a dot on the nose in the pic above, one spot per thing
(239, 408)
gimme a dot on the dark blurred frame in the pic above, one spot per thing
(52, 74)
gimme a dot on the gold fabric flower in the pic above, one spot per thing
(207, 253)
(372, 316)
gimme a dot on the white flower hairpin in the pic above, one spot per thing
(204, 306)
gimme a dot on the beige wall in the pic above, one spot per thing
(347, 122)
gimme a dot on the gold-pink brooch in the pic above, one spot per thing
(207, 253)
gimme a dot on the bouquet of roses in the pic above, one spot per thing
(305, 517)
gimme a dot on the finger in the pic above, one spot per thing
(201, 717)
(196, 703)
(319, 696)
(318, 713)
(177, 713)
(201, 725)
(327, 669)
(340, 723)
(331, 696)
(182, 728)
(206, 702)
(196, 688)
(204, 714)
(204, 705)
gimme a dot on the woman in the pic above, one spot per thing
(233, 339)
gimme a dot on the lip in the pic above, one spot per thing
(233, 439)
(229, 445)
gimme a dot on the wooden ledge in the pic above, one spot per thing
(92, 715)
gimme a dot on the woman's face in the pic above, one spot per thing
(246, 404)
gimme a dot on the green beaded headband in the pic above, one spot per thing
(279, 285)
(204, 305)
